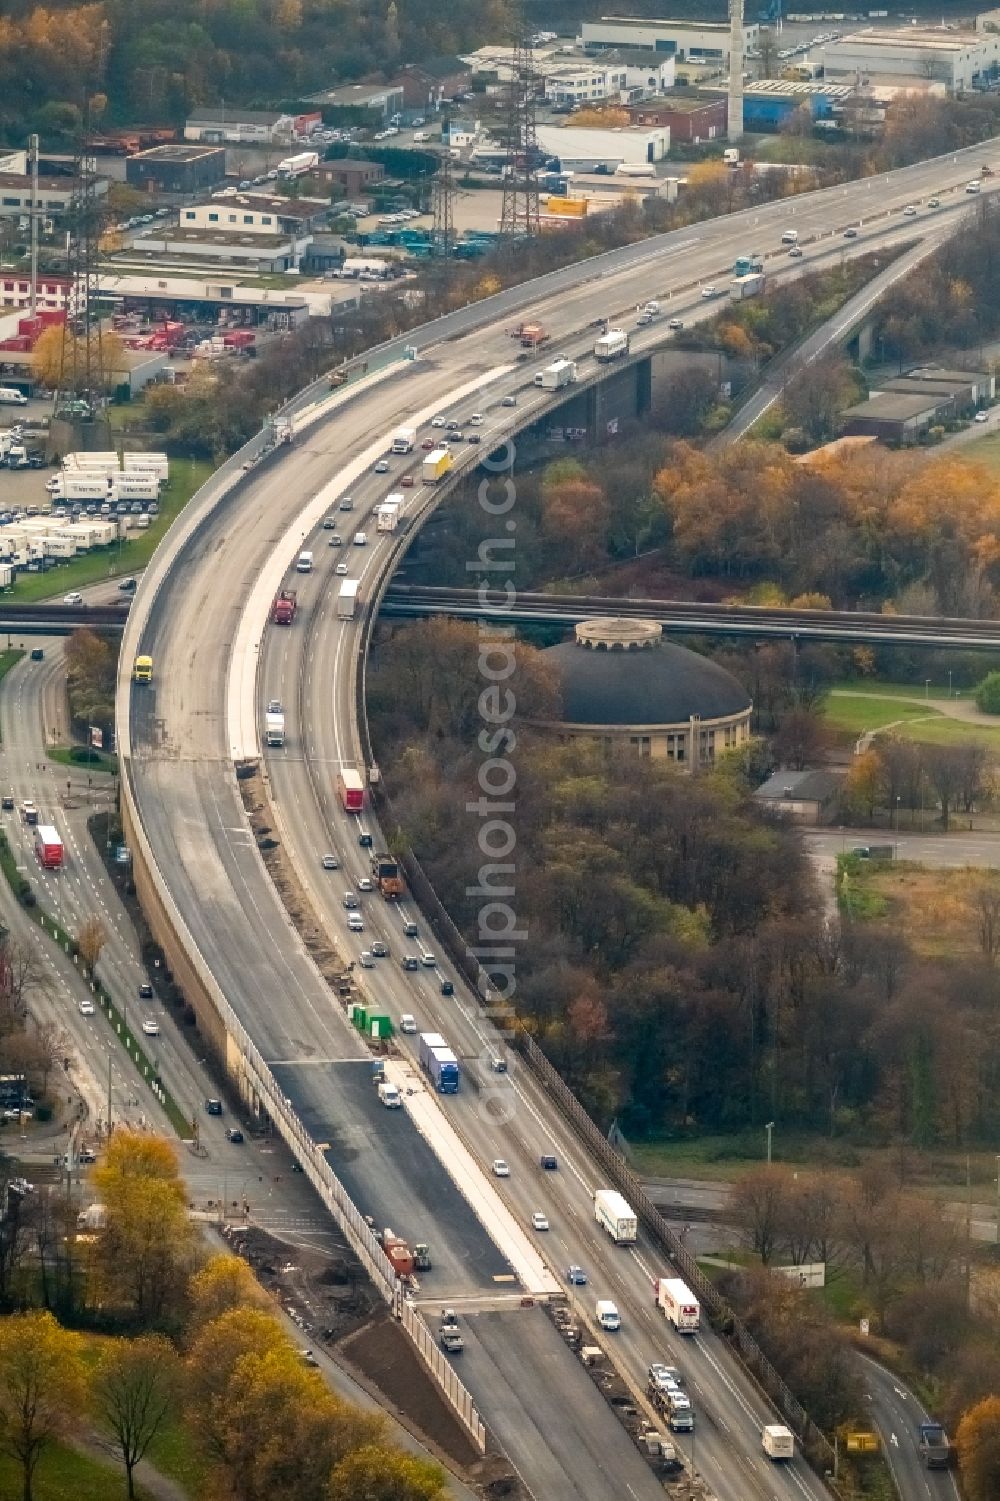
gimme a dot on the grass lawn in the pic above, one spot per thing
(985, 451)
(173, 1454)
(856, 712)
(65, 1475)
(850, 714)
(82, 757)
(186, 475)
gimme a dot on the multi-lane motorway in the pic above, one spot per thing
(200, 612)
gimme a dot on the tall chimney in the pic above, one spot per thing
(735, 130)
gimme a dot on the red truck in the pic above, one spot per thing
(351, 790)
(283, 609)
(49, 849)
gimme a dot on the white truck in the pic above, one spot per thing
(403, 440)
(616, 1214)
(607, 1315)
(11, 396)
(390, 1096)
(387, 514)
(679, 1304)
(305, 562)
(777, 1441)
(274, 729)
(560, 373)
(347, 599)
(611, 345)
(742, 287)
(298, 165)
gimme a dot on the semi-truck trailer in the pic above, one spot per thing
(427, 1043)
(934, 1446)
(745, 264)
(146, 463)
(104, 458)
(560, 373)
(616, 1214)
(611, 345)
(443, 1069)
(742, 287)
(350, 789)
(274, 729)
(777, 1441)
(49, 850)
(387, 514)
(298, 165)
(403, 440)
(385, 869)
(284, 607)
(679, 1304)
(136, 485)
(347, 599)
(436, 466)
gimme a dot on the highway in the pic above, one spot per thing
(199, 612)
(682, 617)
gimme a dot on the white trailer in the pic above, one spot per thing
(347, 599)
(403, 440)
(616, 1214)
(274, 729)
(147, 463)
(679, 1304)
(611, 345)
(777, 1441)
(560, 373)
(387, 516)
(6, 575)
(136, 486)
(299, 164)
(80, 459)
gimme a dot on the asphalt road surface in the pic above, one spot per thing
(178, 736)
(979, 847)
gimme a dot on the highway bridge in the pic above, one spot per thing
(750, 622)
(189, 744)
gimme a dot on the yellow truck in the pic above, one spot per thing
(436, 466)
(142, 672)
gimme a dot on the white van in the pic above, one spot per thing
(305, 563)
(607, 1315)
(12, 397)
(790, 237)
(361, 539)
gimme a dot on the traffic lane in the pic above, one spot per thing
(898, 1413)
(546, 1411)
(953, 849)
(392, 1174)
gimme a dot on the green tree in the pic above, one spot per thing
(988, 694)
(41, 1388)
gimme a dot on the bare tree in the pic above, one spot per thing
(988, 921)
(756, 1205)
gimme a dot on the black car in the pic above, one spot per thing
(548, 1162)
(235, 1135)
(447, 988)
(145, 991)
(365, 841)
(7, 802)
(213, 1107)
(474, 438)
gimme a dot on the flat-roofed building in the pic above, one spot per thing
(176, 169)
(706, 40)
(958, 59)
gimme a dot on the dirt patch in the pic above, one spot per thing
(384, 1359)
(327, 1294)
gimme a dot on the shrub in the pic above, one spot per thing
(988, 694)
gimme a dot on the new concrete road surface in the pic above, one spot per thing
(177, 737)
(898, 1414)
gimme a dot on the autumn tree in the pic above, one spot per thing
(136, 1390)
(377, 1474)
(225, 1282)
(756, 1204)
(60, 359)
(90, 940)
(41, 1388)
(142, 1257)
(978, 1443)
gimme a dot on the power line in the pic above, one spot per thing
(520, 213)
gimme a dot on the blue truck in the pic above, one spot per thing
(439, 1061)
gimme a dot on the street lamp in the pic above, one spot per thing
(769, 1128)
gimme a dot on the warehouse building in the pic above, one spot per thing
(176, 169)
(583, 150)
(961, 60)
(706, 41)
(894, 416)
(350, 175)
(692, 121)
(244, 127)
(621, 684)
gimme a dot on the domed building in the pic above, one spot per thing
(622, 683)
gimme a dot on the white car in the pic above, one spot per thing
(355, 923)
(676, 323)
(365, 959)
(73, 598)
(500, 1168)
(87, 1008)
(438, 421)
(539, 1221)
(330, 862)
(981, 417)
(341, 570)
(407, 1024)
(910, 210)
(151, 1028)
(365, 883)
(709, 291)
(476, 418)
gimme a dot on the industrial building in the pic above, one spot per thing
(426, 85)
(176, 169)
(961, 60)
(583, 150)
(243, 127)
(256, 213)
(808, 797)
(350, 175)
(621, 684)
(706, 41)
(379, 100)
(894, 416)
(584, 82)
(55, 194)
(770, 102)
(692, 121)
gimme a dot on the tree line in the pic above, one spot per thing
(186, 1340)
(677, 967)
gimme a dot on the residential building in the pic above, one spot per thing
(697, 40)
(961, 60)
(176, 169)
(351, 177)
(426, 85)
(692, 121)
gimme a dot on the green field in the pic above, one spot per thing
(186, 475)
(985, 451)
(63, 1474)
(854, 711)
(82, 757)
(858, 712)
